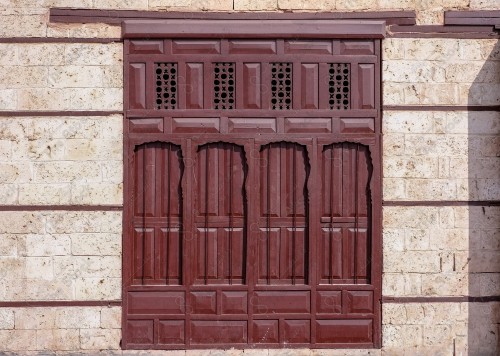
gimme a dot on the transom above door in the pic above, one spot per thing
(252, 184)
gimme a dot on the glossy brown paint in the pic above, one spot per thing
(252, 203)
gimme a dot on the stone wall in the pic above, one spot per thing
(428, 155)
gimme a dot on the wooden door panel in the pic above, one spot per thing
(252, 215)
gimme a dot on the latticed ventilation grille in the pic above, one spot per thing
(281, 86)
(339, 83)
(166, 85)
(223, 85)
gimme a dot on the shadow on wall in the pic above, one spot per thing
(483, 182)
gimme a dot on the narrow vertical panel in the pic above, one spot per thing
(171, 177)
(144, 254)
(208, 184)
(206, 255)
(366, 79)
(270, 181)
(233, 180)
(268, 258)
(309, 89)
(234, 255)
(251, 85)
(149, 180)
(170, 253)
(358, 253)
(295, 249)
(332, 181)
(364, 173)
(194, 85)
(331, 255)
(137, 86)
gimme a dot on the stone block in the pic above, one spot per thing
(411, 261)
(431, 189)
(401, 335)
(8, 99)
(122, 4)
(47, 245)
(18, 340)
(8, 245)
(6, 319)
(58, 339)
(90, 30)
(401, 284)
(437, 49)
(93, 54)
(393, 240)
(83, 222)
(111, 318)
(85, 76)
(8, 54)
(449, 239)
(480, 93)
(78, 318)
(39, 268)
(97, 194)
(35, 318)
(103, 244)
(323, 5)
(23, 77)
(71, 267)
(100, 339)
(407, 122)
(410, 217)
(255, 5)
(410, 167)
(417, 239)
(445, 284)
(21, 222)
(37, 289)
(44, 194)
(41, 54)
(23, 24)
(404, 71)
(98, 288)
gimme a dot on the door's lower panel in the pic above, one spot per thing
(266, 317)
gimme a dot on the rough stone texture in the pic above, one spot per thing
(450, 155)
(448, 251)
(441, 72)
(61, 160)
(60, 255)
(61, 77)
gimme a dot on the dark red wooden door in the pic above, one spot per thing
(252, 201)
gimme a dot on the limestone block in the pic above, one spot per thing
(401, 284)
(410, 217)
(18, 340)
(111, 318)
(22, 24)
(15, 173)
(354, 4)
(393, 144)
(410, 167)
(93, 54)
(95, 98)
(449, 239)
(78, 222)
(5, 150)
(40, 54)
(38, 150)
(392, 93)
(8, 245)
(480, 93)
(21, 222)
(100, 339)
(8, 54)
(403, 71)
(393, 240)
(255, 5)
(66, 171)
(87, 150)
(8, 99)
(37, 289)
(71, 267)
(6, 319)
(401, 335)
(445, 284)
(39, 194)
(484, 146)
(443, 167)
(122, 4)
(436, 49)
(484, 239)
(112, 171)
(473, 72)
(90, 30)
(98, 288)
(392, 48)
(192, 5)
(407, 122)
(417, 239)
(306, 5)
(431, 189)
(394, 188)
(393, 5)
(43, 99)
(39, 268)
(436, 145)
(107, 244)
(97, 193)
(78, 318)
(85, 76)
(35, 318)
(490, 49)
(58, 339)
(411, 261)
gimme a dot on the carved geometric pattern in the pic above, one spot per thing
(166, 86)
(339, 83)
(281, 86)
(224, 85)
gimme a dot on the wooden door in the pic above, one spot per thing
(252, 204)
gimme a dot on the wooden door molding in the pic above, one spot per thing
(252, 214)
